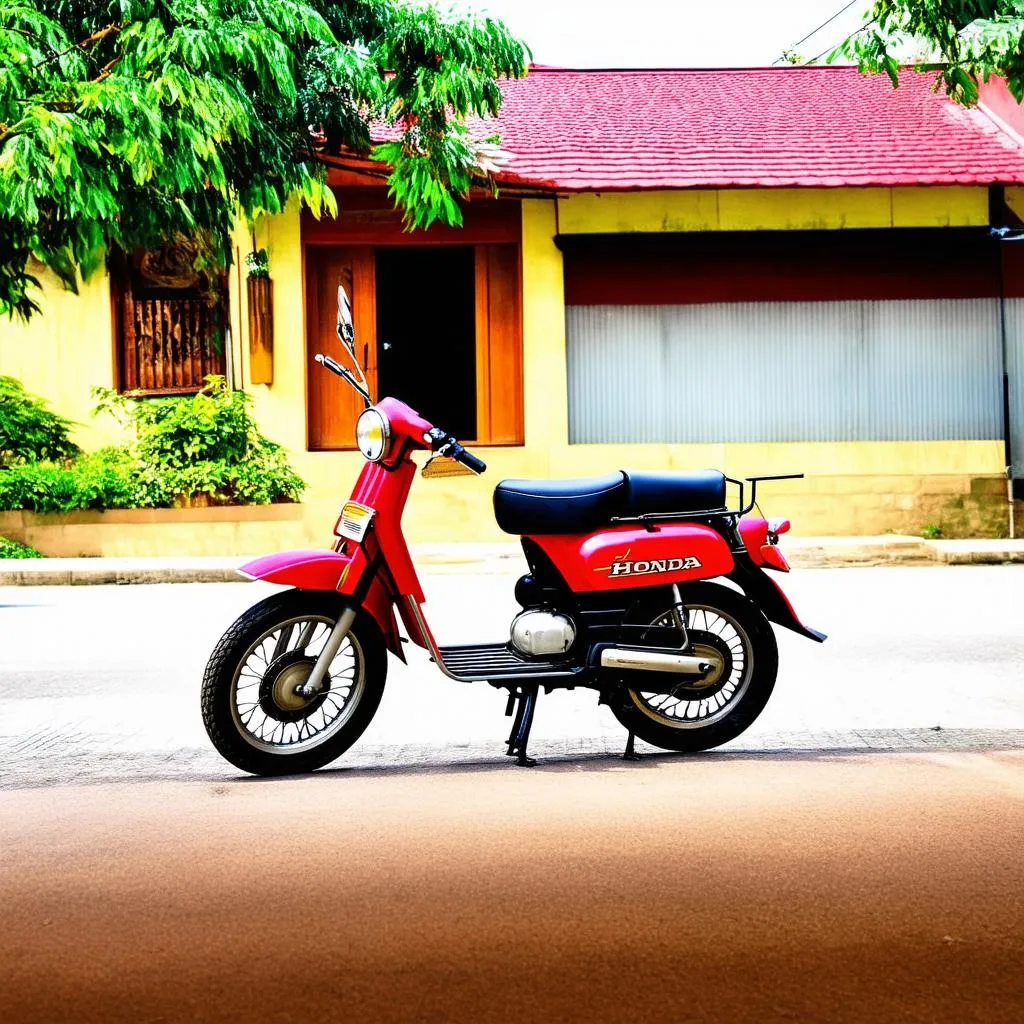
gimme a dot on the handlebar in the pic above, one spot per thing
(443, 443)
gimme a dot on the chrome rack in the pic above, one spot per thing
(647, 519)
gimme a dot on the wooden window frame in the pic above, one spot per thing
(123, 340)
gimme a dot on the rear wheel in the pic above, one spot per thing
(729, 631)
(252, 708)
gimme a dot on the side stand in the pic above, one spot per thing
(631, 754)
(519, 737)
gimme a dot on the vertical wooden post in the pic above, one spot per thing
(261, 330)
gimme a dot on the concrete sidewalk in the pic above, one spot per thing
(802, 553)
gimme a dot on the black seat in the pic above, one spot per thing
(650, 492)
(559, 506)
(581, 506)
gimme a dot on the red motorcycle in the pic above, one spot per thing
(618, 599)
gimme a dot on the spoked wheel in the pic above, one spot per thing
(253, 708)
(728, 631)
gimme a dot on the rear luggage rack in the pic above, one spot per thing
(660, 517)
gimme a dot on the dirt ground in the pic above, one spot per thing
(727, 887)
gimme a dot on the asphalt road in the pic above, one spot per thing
(865, 888)
(101, 683)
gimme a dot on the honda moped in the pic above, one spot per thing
(618, 598)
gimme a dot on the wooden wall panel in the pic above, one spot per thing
(333, 406)
(168, 345)
(499, 345)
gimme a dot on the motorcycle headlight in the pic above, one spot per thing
(373, 434)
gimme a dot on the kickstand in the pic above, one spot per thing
(631, 754)
(520, 736)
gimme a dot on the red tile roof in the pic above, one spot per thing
(820, 126)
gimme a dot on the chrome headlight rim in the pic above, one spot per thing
(373, 448)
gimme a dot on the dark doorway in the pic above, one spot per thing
(426, 333)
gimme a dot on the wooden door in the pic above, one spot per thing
(333, 405)
(499, 345)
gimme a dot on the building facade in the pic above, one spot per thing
(764, 271)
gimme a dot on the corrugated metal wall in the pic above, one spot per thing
(786, 371)
(1015, 366)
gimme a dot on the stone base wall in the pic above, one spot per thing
(820, 506)
(946, 506)
(171, 532)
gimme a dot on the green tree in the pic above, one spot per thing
(135, 122)
(966, 41)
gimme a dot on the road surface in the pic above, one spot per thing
(866, 888)
(102, 683)
(854, 857)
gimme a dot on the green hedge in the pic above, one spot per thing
(29, 431)
(12, 549)
(201, 450)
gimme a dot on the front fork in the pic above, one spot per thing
(315, 683)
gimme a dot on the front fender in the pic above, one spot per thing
(308, 570)
(318, 569)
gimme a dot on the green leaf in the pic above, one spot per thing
(130, 122)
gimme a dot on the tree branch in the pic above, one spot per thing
(107, 68)
(99, 34)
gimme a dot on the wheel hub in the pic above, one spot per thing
(712, 648)
(279, 689)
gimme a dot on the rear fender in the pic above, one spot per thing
(329, 570)
(769, 597)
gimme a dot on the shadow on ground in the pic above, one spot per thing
(70, 767)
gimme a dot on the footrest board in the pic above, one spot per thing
(494, 661)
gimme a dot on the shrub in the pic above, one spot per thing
(98, 480)
(12, 549)
(201, 450)
(29, 431)
(209, 446)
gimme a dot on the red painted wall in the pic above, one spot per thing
(774, 266)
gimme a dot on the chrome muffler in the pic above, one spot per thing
(635, 660)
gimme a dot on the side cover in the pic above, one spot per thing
(631, 556)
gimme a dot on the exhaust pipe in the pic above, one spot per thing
(632, 659)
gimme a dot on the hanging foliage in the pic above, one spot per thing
(961, 42)
(132, 122)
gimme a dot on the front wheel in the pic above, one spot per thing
(252, 708)
(727, 629)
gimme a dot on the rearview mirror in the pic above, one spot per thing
(346, 330)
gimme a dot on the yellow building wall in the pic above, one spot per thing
(779, 209)
(65, 350)
(851, 488)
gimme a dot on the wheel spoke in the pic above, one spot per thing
(689, 707)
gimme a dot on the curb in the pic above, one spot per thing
(486, 559)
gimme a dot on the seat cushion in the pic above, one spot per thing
(653, 492)
(582, 506)
(559, 506)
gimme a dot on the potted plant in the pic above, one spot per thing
(261, 317)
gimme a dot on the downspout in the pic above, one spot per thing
(1004, 234)
(1007, 439)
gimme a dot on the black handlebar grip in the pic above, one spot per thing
(443, 442)
(329, 364)
(470, 461)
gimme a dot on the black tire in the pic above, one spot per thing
(221, 716)
(672, 732)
